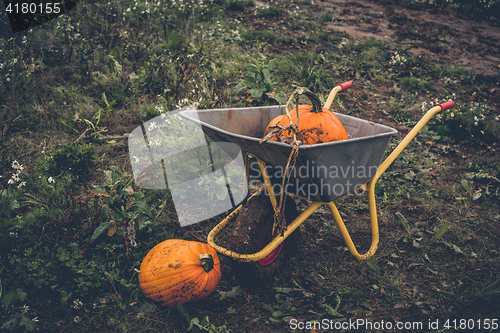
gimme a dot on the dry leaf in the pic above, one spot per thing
(112, 230)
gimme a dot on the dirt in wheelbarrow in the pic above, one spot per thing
(438, 260)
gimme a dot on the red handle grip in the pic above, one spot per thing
(345, 85)
(446, 105)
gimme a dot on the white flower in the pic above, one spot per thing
(51, 180)
(10, 181)
(77, 304)
(152, 126)
(77, 319)
(21, 184)
(35, 319)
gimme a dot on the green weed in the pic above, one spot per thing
(414, 84)
(272, 10)
(472, 121)
(258, 84)
(309, 70)
(76, 160)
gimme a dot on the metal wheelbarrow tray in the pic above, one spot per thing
(323, 172)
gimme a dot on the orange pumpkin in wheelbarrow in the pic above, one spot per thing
(317, 124)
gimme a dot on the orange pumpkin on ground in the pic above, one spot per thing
(317, 124)
(178, 271)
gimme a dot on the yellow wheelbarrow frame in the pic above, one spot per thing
(368, 187)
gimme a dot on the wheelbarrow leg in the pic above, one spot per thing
(373, 225)
(370, 186)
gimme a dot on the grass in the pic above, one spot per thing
(71, 89)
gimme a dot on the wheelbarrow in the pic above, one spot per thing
(323, 172)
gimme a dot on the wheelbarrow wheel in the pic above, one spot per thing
(252, 231)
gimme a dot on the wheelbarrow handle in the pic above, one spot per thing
(446, 105)
(345, 85)
(338, 88)
(414, 131)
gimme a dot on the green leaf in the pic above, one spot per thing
(266, 75)
(271, 64)
(240, 87)
(141, 207)
(104, 99)
(184, 314)
(108, 201)
(7, 299)
(139, 196)
(439, 233)
(465, 184)
(249, 81)
(120, 303)
(252, 68)
(403, 221)
(100, 229)
(108, 175)
(21, 295)
(12, 296)
(330, 310)
(278, 97)
(372, 264)
(109, 106)
(257, 92)
(14, 204)
(220, 192)
(99, 189)
(122, 213)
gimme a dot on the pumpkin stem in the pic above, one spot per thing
(206, 262)
(316, 103)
